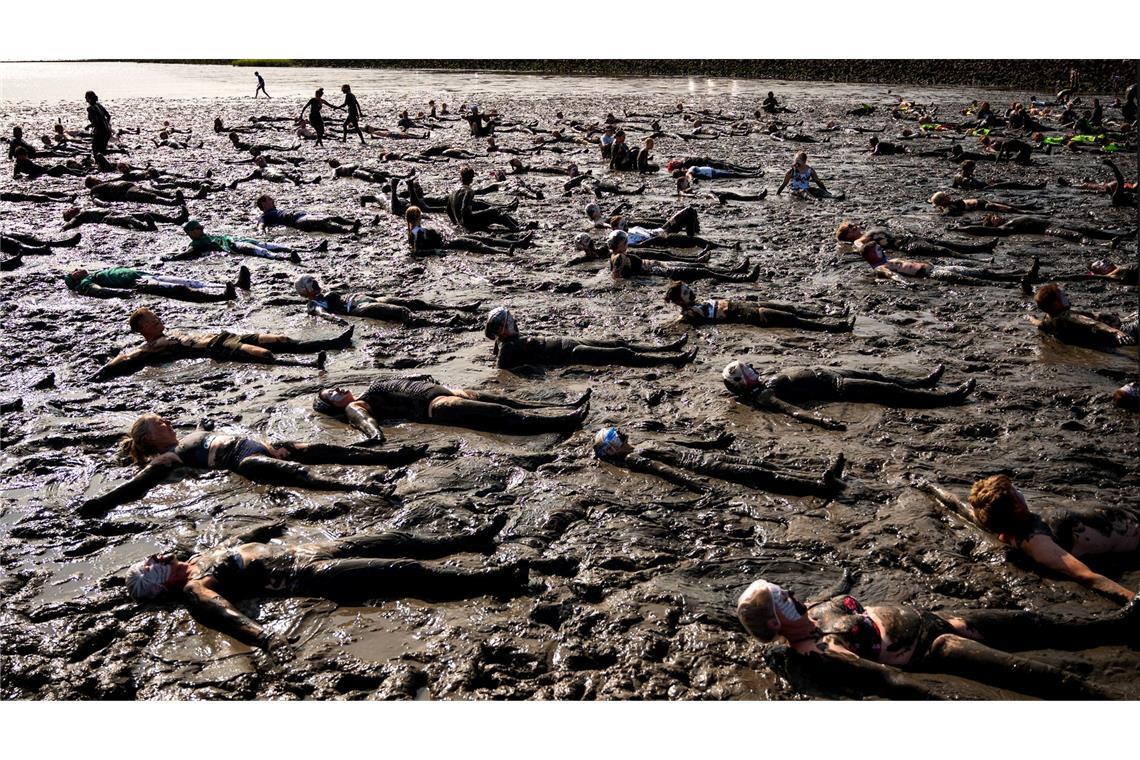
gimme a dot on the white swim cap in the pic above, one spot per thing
(739, 377)
(754, 613)
(306, 285)
(608, 441)
(616, 238)
(583, 241)
(496, 320)
(147, 579)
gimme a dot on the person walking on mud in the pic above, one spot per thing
(353, 117)
(260, 85)
(315, 119)
(100, 121)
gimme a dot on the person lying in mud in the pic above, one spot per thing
(461, 211)
(263, 173)
(951, 206)
(965, 180)
(801, 176)
(1127, 397)
(690, 161)
(1055, 539)
(331, 305)
(254, 154)
(153, 445)
(865, 647)
(202, 244)
(881, 240)
(166, 141)
(897, 270)
(271, 216)
(383, 133)
(355, 171)
(695, 173)
(26, 167)
(126, 282)
(778, 391)
(513, 351)
(121, 191)
(994, 225)
(138, 221)
(1123, 193)
(349, 570)
(624, 265)
(425, 241)
(431, 204)
(18, 244)
(681, 462)
(518, 167)
(881, 148)
(1103, 269)
(756, 313)
(255, 348)
(419, 398)
(678, 231)
(245, 147)
(47, 196)
(1078, 328)
(592, 252)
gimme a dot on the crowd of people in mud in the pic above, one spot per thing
(872, 646)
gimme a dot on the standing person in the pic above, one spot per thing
(352, 106)
(315, 119)
(260, 84)
(100, 123)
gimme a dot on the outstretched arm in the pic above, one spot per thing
(815, 178)
(98, 291)
(319, 311)
(123, 364)
(641, 464)
(787, 179)
(838, 665)
(1044, 551)
(213, 610)
(722, 441)
(946, 499)
(770, 402)
(135, 488)
(360, 416)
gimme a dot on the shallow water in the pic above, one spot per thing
(635, 581)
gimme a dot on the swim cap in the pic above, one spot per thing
(753, 615)
(607, 442)
(147, 579)
(496, 320)
(593, 211)
(193, 224)
(616, 238)
(1101, 266)
(305, 285)
(583, 241)
(739, 377)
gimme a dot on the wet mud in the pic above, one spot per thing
(633, 581)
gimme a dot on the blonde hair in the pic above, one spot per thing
(755, 610)
(134, 447)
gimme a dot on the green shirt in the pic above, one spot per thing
(224, 243)
(115, 277)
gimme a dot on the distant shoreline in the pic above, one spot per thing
(1049, 76)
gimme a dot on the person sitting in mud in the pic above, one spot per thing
(513, 351)
(139, 222)
(1123, 193)
(358, 303)
(879, 241)
(424, 241)
(771, 105)
(153, 445)
(419, 398)
(461, 211)
(864, 647)
(1009, 148)
(26, 167)
(17, 141)
(759, 313)
(681, 461)
(965, 180)
(1078, 328)
(951, 206)
(264, 173)
(880, 148)
(303, 220)
(994, 225)
(120, 191)
(350, 570)
(803, 385)
(244, 147)
(1054, 540)
(800, 177)
(125, 282)
(354, 171)
(202, 244)
(220, 346)
(624, 265)
(593, 252)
